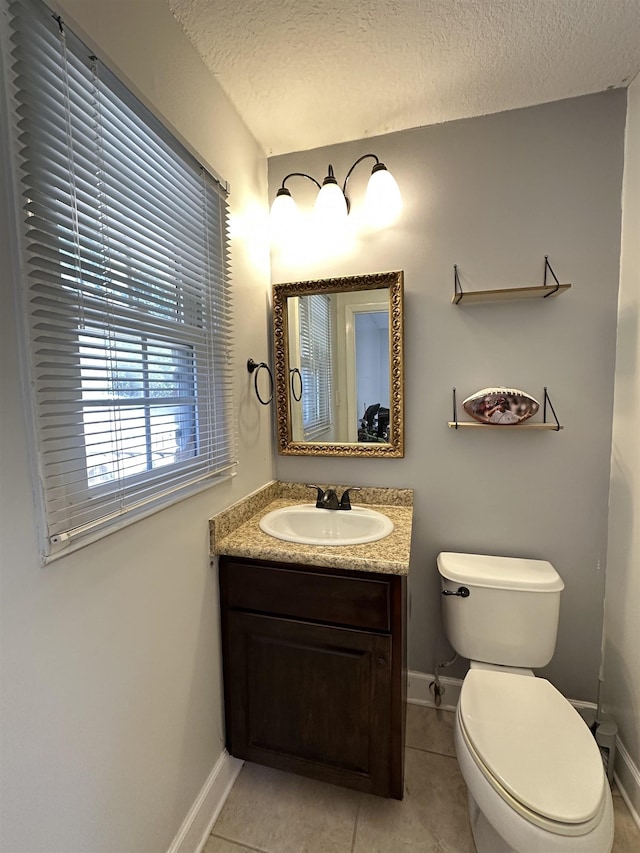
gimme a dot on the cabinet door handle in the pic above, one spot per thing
(381, 662)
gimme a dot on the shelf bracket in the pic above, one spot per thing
(458, 293)
(547, 401)
(455, 409)
(552, 290)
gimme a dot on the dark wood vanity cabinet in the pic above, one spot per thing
(315, 671)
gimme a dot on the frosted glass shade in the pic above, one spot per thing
(283, 217)
(382, 201)
(331, 207)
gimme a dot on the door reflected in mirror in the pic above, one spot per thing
(338, 352)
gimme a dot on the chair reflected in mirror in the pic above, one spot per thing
(374, 425)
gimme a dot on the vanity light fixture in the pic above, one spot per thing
(382, 203)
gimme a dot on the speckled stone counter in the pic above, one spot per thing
(236, 532)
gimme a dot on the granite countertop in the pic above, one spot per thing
(236, 532)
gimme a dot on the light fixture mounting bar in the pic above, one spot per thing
(298, 175)
(359, 160)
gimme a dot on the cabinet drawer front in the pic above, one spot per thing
(356, 602)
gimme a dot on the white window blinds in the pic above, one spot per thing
(126, 289)
(315, 364)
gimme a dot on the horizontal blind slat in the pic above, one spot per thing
(127, 288)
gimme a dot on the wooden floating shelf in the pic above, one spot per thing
(510, 427)
(540, 292)
(554, 425)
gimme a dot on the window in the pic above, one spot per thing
(315, 364)
(126, 290)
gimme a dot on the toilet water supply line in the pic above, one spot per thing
(435, 686)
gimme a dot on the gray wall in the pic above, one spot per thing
(111, 695)
(494, 195)
(622, 625)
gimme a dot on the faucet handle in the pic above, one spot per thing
(345, 502)
(320, 496)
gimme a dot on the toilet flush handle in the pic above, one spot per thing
(462, 591)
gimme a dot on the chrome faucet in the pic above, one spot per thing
(329, 499)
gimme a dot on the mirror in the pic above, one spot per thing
(339, 367)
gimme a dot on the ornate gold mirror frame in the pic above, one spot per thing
(393, 281)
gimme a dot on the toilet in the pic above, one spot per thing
(534, 774)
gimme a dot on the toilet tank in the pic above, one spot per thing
(509, 617)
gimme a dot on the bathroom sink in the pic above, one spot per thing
(308, 525)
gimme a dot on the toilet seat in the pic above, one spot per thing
(534, 749)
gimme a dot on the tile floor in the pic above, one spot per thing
(273, 812)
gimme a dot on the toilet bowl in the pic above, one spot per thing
(533, 771)
(534, 774)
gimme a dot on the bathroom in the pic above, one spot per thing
(111, 670)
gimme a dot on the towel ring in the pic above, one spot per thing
(292, 372)
(255, 368)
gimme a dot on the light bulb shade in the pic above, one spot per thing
(383, 202)
(331, 206)
(283, 216)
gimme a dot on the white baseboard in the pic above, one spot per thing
(418, 692)
(627, 777)
(197, 825)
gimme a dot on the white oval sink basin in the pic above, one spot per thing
(308, 525)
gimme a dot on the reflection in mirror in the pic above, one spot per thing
(338, 354)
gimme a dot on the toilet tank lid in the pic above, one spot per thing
(499, 572)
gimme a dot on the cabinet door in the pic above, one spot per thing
(310, 698)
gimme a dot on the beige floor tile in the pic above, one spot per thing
(432, 817)
(430, 729)
(221, 845)
(273, 812)
(627, 834)
(282, 813)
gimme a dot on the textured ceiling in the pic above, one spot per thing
(307, 73)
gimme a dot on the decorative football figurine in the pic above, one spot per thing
(502, 406)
